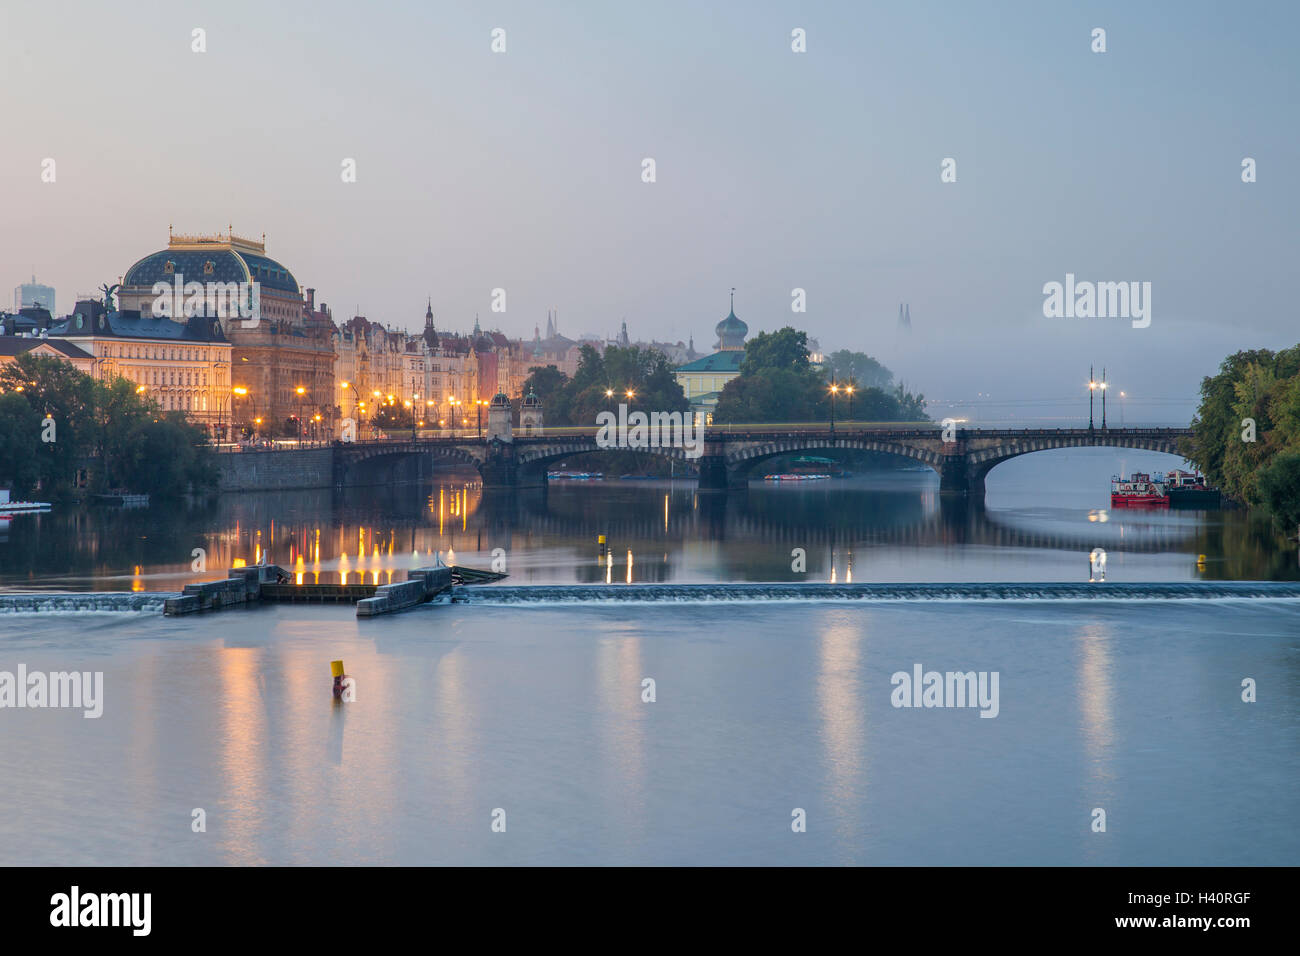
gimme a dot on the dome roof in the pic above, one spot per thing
(212, 260)
(731, 332)
(500, 400)
(531, 400)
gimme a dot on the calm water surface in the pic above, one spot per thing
(762, 707)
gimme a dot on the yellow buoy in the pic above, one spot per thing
(336, 671)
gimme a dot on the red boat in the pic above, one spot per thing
(1138, 491)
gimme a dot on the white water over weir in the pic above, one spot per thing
(545, 594)
(54, 602)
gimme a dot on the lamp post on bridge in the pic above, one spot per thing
(1103, 399)
(834, 390)
(1092, 387)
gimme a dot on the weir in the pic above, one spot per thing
(273, 584)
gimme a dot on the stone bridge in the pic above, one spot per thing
(730, 453)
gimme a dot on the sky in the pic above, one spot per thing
(774, 171)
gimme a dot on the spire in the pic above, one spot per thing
(428, 314)
(907, 315)
(477, 330)
(733, 300)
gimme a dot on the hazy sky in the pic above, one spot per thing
(775, 170)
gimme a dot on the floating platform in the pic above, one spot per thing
(272, 583)
(123, 499)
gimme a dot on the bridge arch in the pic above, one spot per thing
(532, 460)
(740, 461)
(980, 462)
(347, 460)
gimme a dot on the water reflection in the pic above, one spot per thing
(884, 527)
(842, 712)
(1096, 696)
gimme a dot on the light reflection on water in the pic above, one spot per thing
(463, 709)
(760, 709)
(1045, 514)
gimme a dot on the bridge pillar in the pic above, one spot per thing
(713, 474)
(499, 472)
(957, 477)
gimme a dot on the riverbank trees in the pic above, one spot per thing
(1246, 433)
(779, 383)
(56, 421)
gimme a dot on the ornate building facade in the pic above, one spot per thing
(282, 358)
(182, 365)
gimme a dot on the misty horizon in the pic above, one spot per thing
(775, 171)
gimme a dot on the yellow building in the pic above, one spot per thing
(183, 366)
(704, 379)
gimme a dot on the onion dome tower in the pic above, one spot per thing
(731, 331)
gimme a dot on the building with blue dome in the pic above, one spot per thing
(282, 359)
(703, 379)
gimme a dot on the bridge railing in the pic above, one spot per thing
(787, 430)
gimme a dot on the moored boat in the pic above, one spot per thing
(8, 507)
(1138, 490)
(1189, 489)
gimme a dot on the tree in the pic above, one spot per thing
(548, 382)
(786, 349)
(778, 383)
(860, 368)
(1248, 416)
(54, 389)
(1279, 490)
(126, 439)
(20, 437)
(645, 372)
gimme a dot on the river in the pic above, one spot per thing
(522, 732)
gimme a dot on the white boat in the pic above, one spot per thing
(8, 507)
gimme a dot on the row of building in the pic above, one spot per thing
(278, 363)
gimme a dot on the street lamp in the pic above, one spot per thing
(243, 392)
(849, 389)
(1122, 396)
(1103, 399)
(834, 388)
(301, 392)
(478, 412)
(1092, 388)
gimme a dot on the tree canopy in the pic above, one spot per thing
(858, 367)
(645, 372)
(55, 419)
(1246, 433)
(778, 383)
